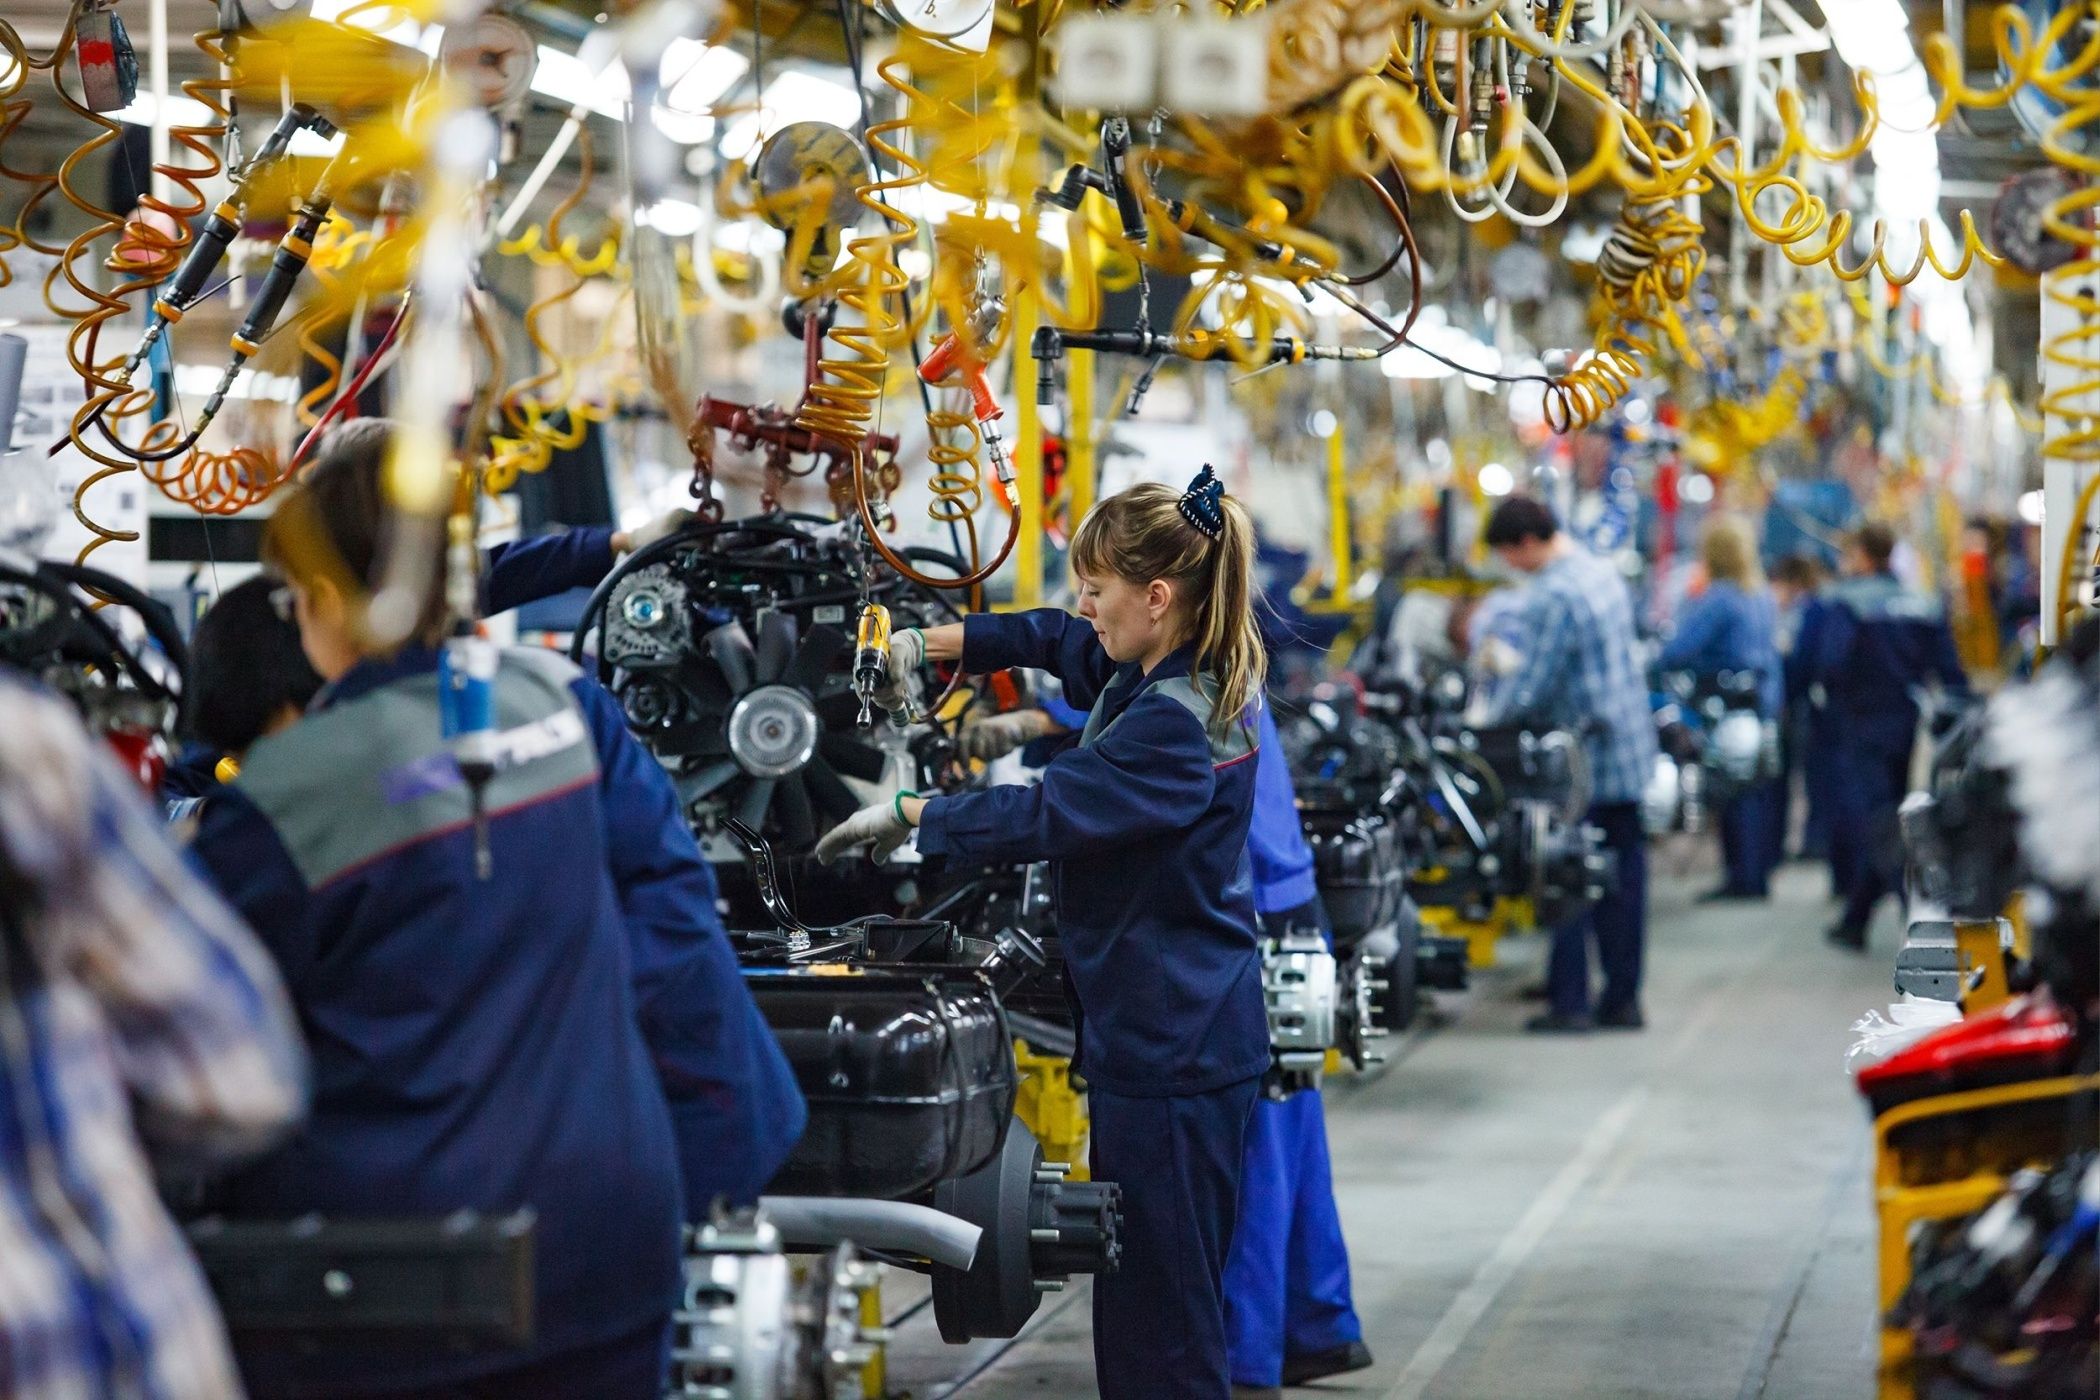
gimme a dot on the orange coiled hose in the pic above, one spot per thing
(14, 111)
(105, 394)
(217, 483)
(148, 249)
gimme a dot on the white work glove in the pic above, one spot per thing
(881, 828)
(907, 655)
(661, 528)
(1000, 735)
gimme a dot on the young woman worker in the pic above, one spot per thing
(1146, 819)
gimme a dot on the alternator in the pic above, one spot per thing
(1298, 981)
(749, 1329)
(648, 620)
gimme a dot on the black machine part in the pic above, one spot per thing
(727, 647)
(57, 630)
(1040, 1227)
(1562, 865)
(463, 1282)
(909, 1075)
(1369, 1012)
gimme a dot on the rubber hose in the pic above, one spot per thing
(897, 1227)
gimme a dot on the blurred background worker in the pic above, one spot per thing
(133, 1004)
(1576, 670)
(1289, 1316)
(549, 1037)
(1806, 733)
(1727, 630)
(1878, 645)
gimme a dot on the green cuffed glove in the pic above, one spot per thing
(881, 828)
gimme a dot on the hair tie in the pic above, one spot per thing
(1203, 504)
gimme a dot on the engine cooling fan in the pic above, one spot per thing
(761, 730)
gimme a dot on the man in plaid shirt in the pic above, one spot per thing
(1575, 669)
(133, 1005)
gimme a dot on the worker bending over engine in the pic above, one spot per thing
(1146, 821)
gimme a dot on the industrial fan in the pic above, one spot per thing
(761, 731)
(729, 654)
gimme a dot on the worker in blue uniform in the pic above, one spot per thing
(1145, 820)
(571, 1035)
(1731, 627)
(1289, 1315)
(1879, 644)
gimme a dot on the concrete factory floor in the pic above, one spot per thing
(1678, 1215)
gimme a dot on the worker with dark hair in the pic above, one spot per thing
(248, 676)
(1574, 669)
(571, 1035)
(1878, 646)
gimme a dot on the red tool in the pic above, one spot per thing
(957, 354)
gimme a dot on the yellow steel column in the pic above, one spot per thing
(1083, 295)
(1338, 541)
(1028, 433)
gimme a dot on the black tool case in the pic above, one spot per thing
(909, 1073)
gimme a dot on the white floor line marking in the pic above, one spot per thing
(1480, 1292)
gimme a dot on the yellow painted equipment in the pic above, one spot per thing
(1948, 1156)
(1052, 1108)
(1509, 916)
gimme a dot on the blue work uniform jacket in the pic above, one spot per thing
(496, 1044)
(1872, 647)
(1729, 628)
(1145, 822)
(1281, 860)
(517, 573)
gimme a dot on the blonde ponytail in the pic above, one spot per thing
(1228, 644)
(1144, 534)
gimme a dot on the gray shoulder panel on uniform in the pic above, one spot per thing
(374, 773)
(1200, 700)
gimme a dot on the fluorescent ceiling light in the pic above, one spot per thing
(673, 218)
(569, 81)
(182, 111)
(199, 380)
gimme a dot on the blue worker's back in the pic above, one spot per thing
(1876, 645)
(479, 1044)
(1730, 628)
(1276, 848)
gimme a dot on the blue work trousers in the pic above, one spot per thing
(631, 1367)
(1752, 826)
(1822, 782)
(1866, 850)
(1159, 1320)
(1287, 1279)
(1617, 924)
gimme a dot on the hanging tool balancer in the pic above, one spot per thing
(1141, 341)
(217, 233)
